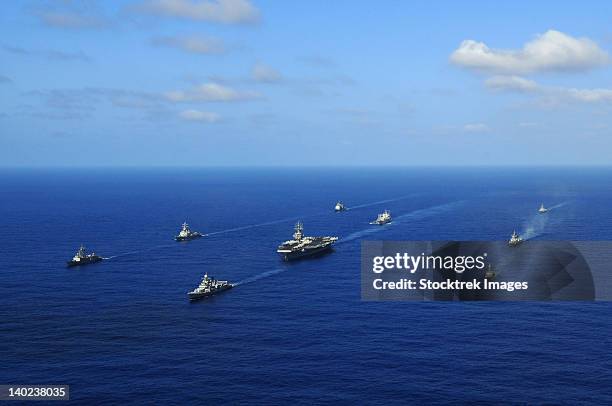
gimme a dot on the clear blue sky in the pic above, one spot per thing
(238, 82)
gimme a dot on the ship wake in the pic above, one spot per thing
(395, 199)
(296, 218)
(267, 223)
(413, 215)
(558, 206)
(125, 254)
(536, 225)
(260, 276)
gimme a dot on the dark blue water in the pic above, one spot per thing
(123, 330)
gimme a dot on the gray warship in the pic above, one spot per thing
(187, 234)
(208, 287)
(383, 218)
(83, 258)
(515, 240)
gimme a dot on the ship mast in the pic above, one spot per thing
(298, 234)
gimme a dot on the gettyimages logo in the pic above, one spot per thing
(485, 270)
(412, 263)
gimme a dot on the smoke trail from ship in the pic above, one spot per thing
(413, 215)
(260, 276)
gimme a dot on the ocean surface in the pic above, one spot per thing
(122, 331)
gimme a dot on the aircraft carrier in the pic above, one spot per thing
(302, 246)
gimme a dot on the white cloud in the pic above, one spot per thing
(590, 95)
(69, 19)
(515, 83)
(221, 11)
(193, 44)
(476, 128)
(48, 54)
(550, 95)
(551, 51)
(196, 115)
(266, 74)
(212, 92)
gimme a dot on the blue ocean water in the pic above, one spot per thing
(123, 331)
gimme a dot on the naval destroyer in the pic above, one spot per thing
(83, 258)
(208, 287)
(490, 273)
(383, 218)
(302, 246)
(187, 234)
(340, 207)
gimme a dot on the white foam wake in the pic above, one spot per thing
(260, 276)
(267, 223)
(558, 206)
(295, 218)
(413, 215)
(138, 251)
(536, 225)
(395, 199)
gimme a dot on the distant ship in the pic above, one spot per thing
(383, 218)
(490, 273)
(82, 258)
(340, 207)
(542, 209)
(208, 287)
(302, 246)
(186, 234)
(515, 240)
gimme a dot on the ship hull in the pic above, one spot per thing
(193, 237)
(88, 261)
(307, 252)
(198, 296)
(380, 223)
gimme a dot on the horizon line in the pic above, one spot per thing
(306, 166)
